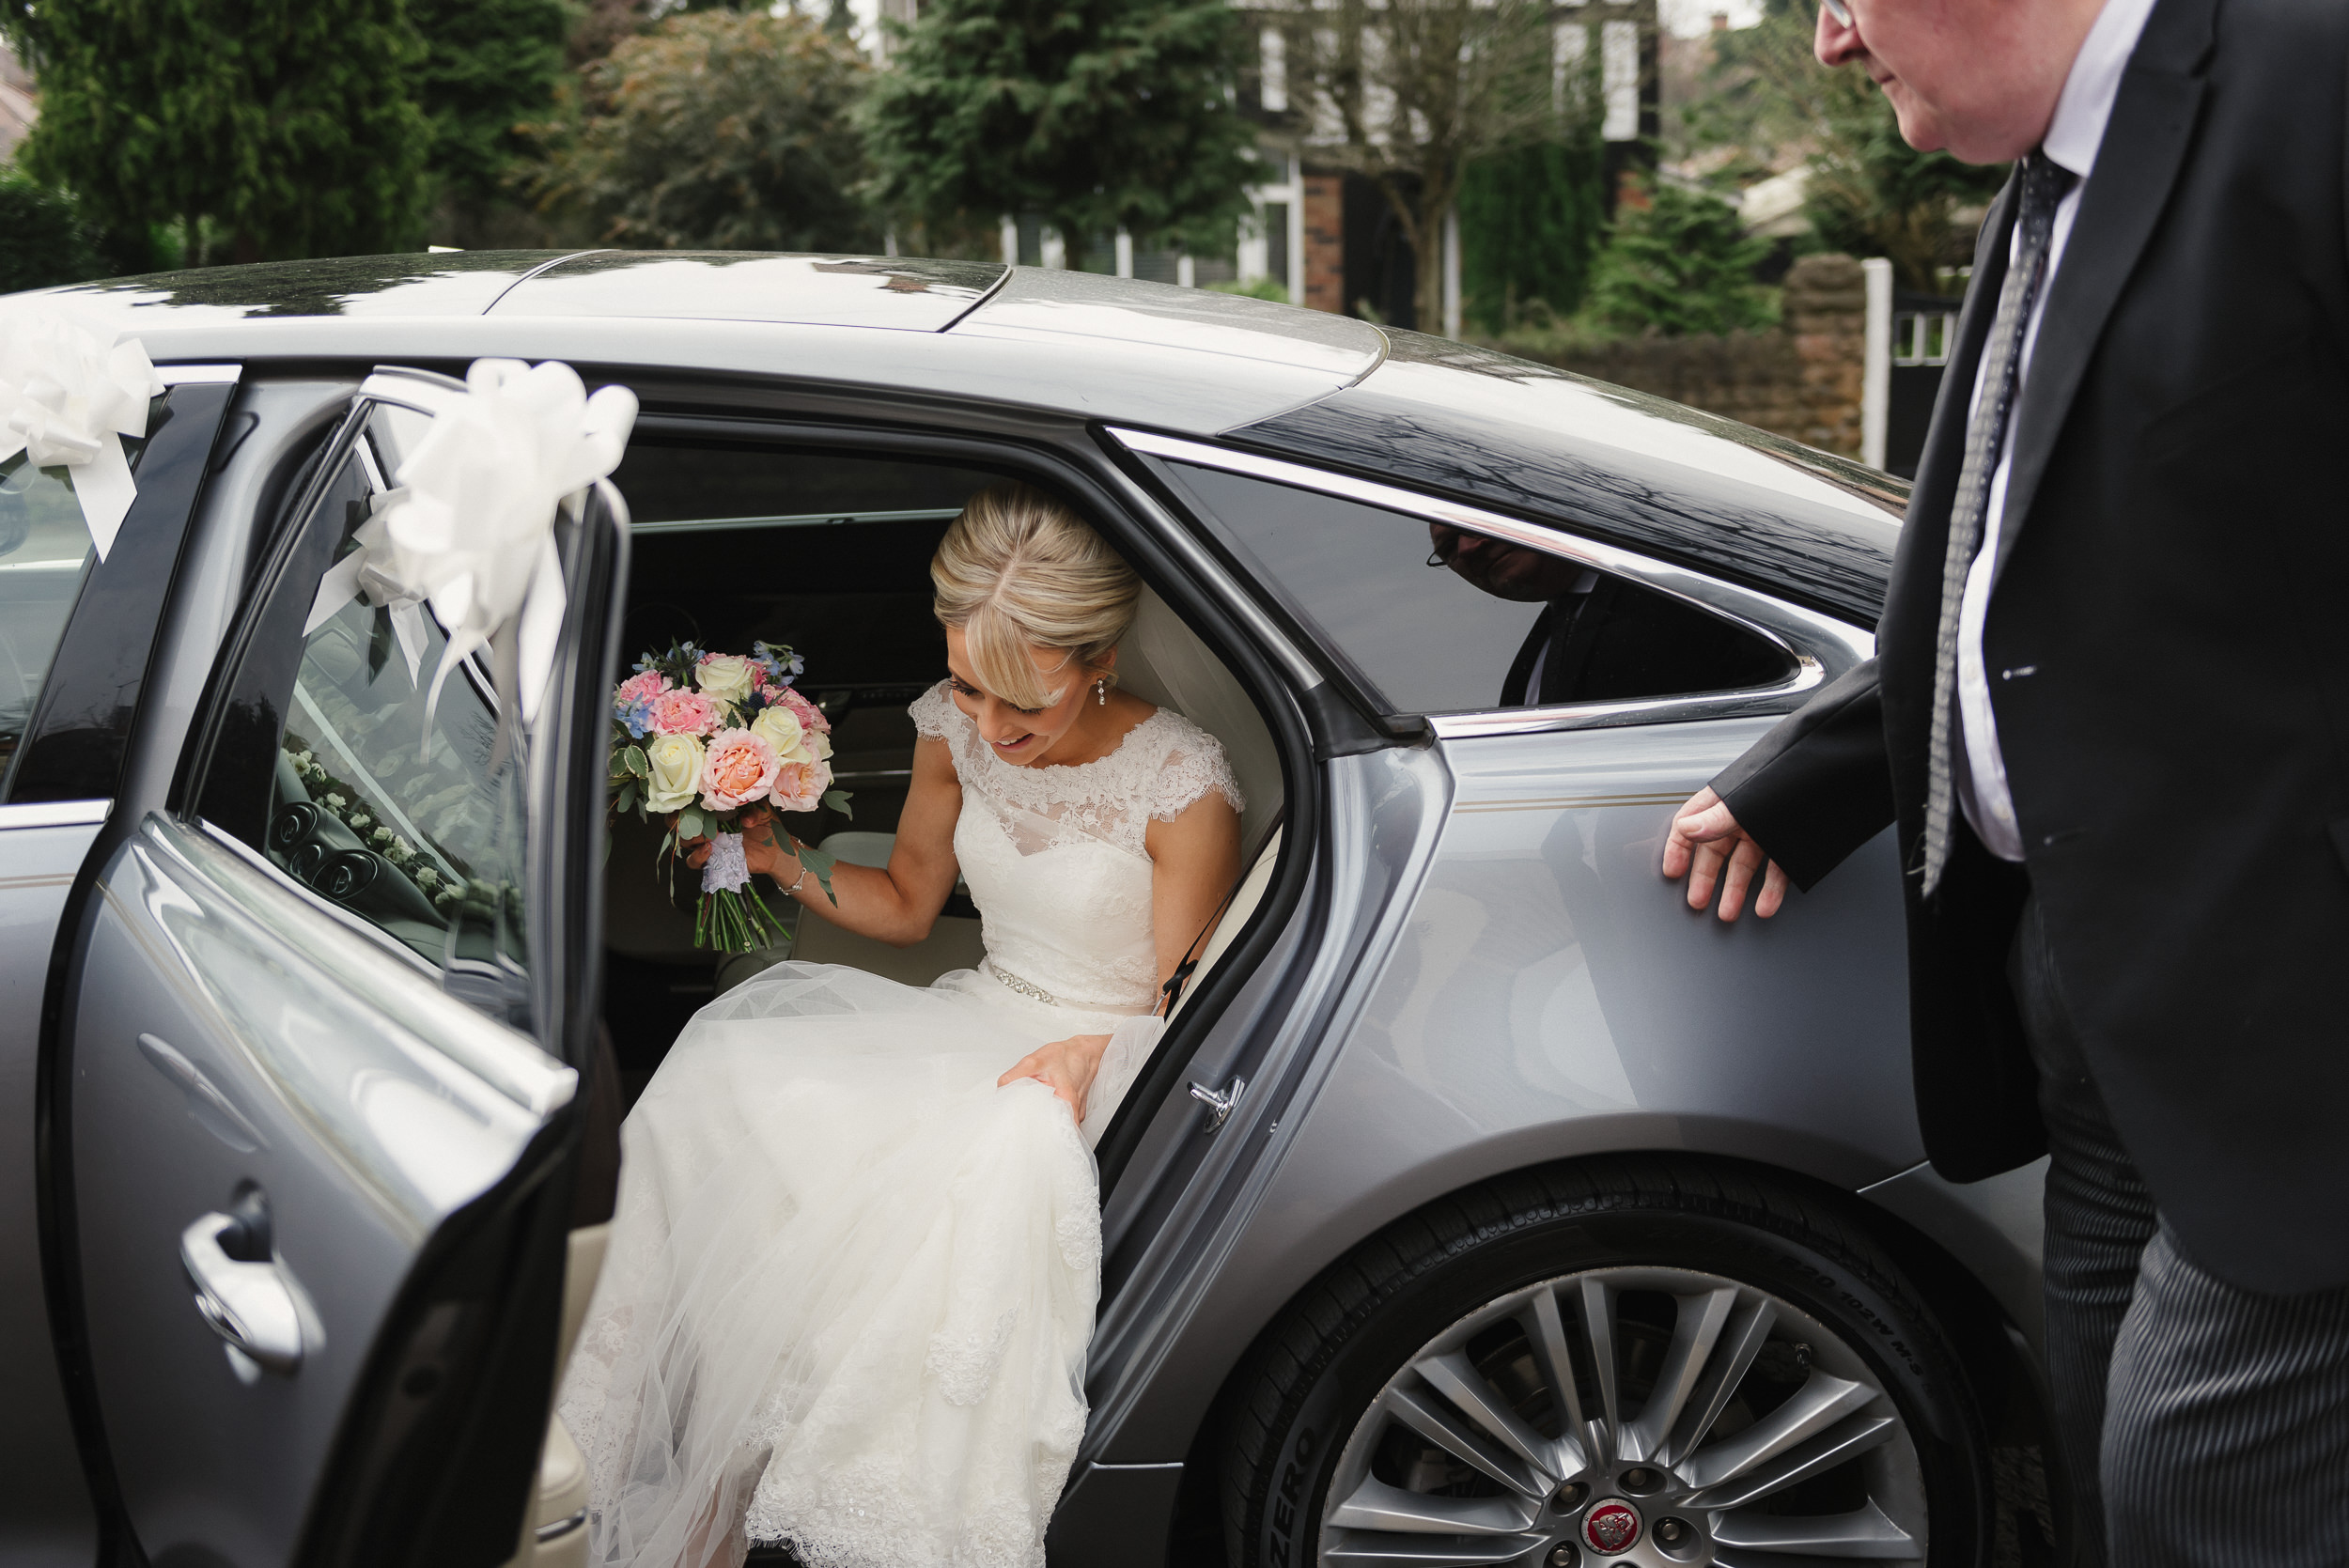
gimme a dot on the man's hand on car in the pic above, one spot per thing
(1705, 837)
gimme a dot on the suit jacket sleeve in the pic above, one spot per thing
(1820, 785)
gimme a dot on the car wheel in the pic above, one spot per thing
(1656, 1363)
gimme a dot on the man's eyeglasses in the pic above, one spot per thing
(1839, 10)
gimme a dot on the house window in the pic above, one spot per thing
(1273, 79)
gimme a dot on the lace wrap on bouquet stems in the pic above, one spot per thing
(68, 393)
(471, 529)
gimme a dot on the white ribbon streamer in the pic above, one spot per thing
(68, 397)
(471, 530)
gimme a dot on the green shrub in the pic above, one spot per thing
(43, 240)
(1266, 287)
(1683, 264)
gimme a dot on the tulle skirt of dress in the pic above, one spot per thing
(849, 1284)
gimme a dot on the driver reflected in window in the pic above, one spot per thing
(1600, 638)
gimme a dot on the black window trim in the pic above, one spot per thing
(1820, 646)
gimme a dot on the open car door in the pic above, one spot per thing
(322, 1059)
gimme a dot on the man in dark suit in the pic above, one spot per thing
(2110, 717)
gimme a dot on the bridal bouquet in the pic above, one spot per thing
(704, 735)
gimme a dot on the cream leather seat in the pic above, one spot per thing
(555, 1533)
(1252, 885)
(951, 945)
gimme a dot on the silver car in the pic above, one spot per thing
(1485, 1204)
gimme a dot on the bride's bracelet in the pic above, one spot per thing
(793, 889)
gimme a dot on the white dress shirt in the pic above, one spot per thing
(2072, 140)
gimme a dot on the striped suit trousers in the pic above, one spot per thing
(2198, 1424)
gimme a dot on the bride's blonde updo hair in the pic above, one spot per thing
(1020, 568)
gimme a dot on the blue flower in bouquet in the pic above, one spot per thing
(782, 664)
(633, 700)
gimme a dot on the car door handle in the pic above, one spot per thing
(247, 1304)
(1218, 1104)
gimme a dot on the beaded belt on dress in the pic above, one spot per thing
(1026, 988)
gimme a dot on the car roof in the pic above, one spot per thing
(1076, 342)
(1307, 384)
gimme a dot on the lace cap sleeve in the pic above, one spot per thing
(1194, 766)
(934, 713)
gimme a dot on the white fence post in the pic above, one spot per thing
(1011, 241)
(1125, 254)
(1876, 377)
(1452, 273)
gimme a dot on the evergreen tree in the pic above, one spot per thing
(719, 131)
(283, 125)
(1681, 264)
(43, 241)
(488, 66)
(1531, 221)
(1095, 115)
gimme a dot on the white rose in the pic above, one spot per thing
(780, 729)
(676, 765)
(728, 677)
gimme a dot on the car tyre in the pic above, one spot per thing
(1406, 1410)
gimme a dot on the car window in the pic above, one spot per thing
(416, 826)
(45, 556)
(1433, 619)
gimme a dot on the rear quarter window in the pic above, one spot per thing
(1433, 619)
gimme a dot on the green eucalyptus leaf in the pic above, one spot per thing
(837, 799)
(819, 866)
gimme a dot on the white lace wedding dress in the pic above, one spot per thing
(850, 1282)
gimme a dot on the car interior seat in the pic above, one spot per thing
(951, 945)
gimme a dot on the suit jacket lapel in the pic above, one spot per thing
(2145, 142)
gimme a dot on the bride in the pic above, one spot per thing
(853, 1269)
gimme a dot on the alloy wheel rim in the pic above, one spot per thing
(1658, 1416)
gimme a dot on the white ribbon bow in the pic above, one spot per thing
(67, 399)
(471, 530)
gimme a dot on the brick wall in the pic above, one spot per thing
(1801, 381)
(1324, 242)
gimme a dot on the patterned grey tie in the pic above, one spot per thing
(2044, 185)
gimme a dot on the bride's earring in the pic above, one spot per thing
(1101, 692)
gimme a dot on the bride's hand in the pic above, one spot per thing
(760, 850)
(1066, 1067)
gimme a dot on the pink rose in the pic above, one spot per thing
(800, 785)
(681, 712)
(810, 716)
(640, 689)
(738, 769)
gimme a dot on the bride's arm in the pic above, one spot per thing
(1194, 859)
(897, 905)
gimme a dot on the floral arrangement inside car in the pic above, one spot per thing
(704, 737)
